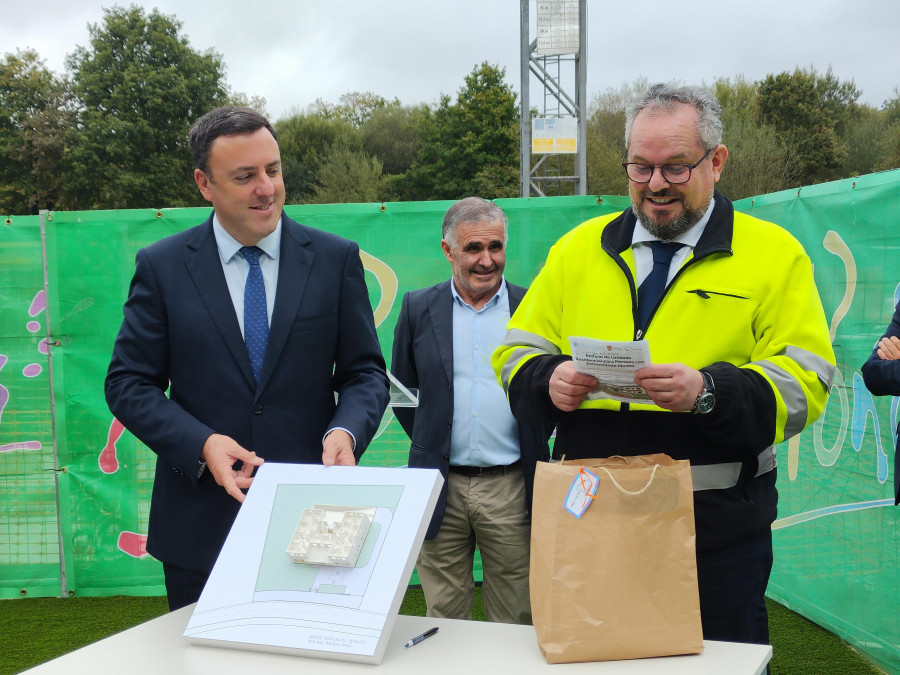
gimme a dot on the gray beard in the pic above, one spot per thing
(674, 228)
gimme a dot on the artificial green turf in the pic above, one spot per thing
(35, 630)
(800, 647)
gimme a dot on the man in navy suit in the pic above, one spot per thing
(443, 342)
(881, 373)
(313, 390)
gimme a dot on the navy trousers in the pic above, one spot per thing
(183, 587)
(733, 582)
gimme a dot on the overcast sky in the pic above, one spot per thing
(294, 51)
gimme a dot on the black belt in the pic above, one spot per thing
(484, 470)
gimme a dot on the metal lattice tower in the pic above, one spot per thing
(551, 69)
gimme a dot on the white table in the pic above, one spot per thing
(459, 648)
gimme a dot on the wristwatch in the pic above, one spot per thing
(706, 401)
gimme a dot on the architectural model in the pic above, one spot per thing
(329, 535)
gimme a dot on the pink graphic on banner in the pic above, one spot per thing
(133, 544)
(38, 304)
(4, 392)
(32, 370)
(27, 445)
(108, 461)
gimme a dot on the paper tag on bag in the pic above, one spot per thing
(581, 492)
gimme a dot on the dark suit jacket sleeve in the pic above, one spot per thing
(359, 374)
(137, 379)
(403, 363)
(882, 377)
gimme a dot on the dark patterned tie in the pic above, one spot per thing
(655, 284)
(256, 317)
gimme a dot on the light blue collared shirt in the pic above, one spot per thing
(237, 268)
(484, 431)
(643, 255)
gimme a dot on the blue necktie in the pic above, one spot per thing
(654, 285)
(256, 317)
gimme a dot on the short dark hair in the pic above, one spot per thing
(225, 121)
(471, 210)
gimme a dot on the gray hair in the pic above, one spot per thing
(224, 121)
(471, 210)
(664, 97)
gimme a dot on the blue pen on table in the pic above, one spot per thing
(424, 636)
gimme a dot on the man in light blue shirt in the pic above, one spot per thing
(443, 342)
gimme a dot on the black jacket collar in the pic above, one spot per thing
(716, 238)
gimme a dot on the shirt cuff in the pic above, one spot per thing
(352, 437)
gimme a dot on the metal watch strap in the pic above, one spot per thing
(706, 400)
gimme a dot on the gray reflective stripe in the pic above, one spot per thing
(724, 476)
(767, 461)
(715, 476)
(791, 393)
(812, 362)
(526, 344)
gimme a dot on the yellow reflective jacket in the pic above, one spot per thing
(743, 307)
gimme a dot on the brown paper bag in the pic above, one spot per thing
(620, 582)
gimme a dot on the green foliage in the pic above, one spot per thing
(888, 148)
(470, 147)
(242, 99)
(349, 175)
(306, 140)
(759, 161)
(141, 86)
(808, 112)
(35, 131)
(393, 135)
(356, 107)
(606, 139)
(887, 145)
(891, 107)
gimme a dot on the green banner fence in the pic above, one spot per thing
(76, 487)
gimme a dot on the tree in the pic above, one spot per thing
(393, 135)
(349, 175)
(35, 130)
(355, 107)
(241, 99)
(758, 160)
(808, 112)
(888, 145)
(470, 147)
(606, 138)
(140, 86)
(891, 107)
(305, 141)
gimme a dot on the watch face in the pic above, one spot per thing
(705, 403)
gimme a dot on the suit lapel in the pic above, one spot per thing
(293, 272)
(514, 295)
(440, 312)
(205, 269)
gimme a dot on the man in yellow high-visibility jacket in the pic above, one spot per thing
(742, 357)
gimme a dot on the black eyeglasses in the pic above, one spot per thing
(673, 173)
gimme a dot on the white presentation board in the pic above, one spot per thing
(258, 599)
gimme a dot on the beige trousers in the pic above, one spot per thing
(487, 511)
